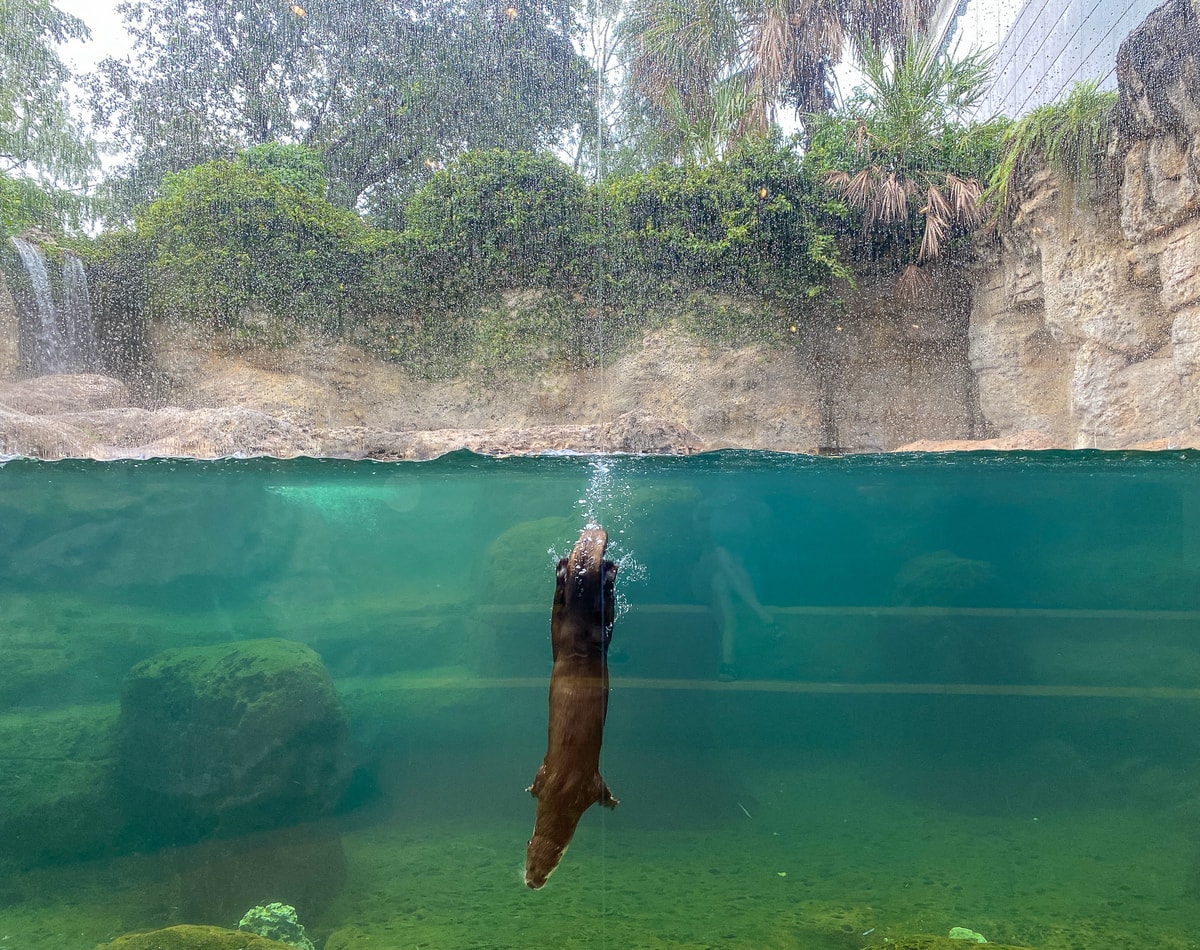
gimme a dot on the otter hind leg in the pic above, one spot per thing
(604, 795)
(535, 787)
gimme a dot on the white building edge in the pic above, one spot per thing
(1043, 47)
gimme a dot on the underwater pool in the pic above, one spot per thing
(852, 700)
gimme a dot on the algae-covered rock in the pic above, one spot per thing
(229, 738)
(930, 942)
(277, 921)
(56, 789)
(192, 937)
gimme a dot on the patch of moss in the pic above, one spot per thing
(56, 772)
(191, 937)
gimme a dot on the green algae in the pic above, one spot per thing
(56, 783)
(440, 866)
(190, 937)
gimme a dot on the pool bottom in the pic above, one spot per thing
(735, 851)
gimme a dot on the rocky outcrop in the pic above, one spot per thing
(227, 739)
(56, 783)
(1027, 441)
(885, 373)
(126, 431)
(1088, 326)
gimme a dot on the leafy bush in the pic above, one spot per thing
(496, 219)
(232, 238)
(752, 222)
(1071, 137)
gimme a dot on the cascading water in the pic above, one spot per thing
(56, 336)
(76, 315)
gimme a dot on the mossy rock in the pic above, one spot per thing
(193, 937)
(519, 565)
(56, 790)
(228, 739)
(931, 942)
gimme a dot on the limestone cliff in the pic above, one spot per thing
(1087, 326)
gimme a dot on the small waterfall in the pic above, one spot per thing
(56, 330)
(76, 316)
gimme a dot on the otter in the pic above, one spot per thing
(569, 782)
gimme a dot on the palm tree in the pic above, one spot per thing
(904, 153)
(761, 54)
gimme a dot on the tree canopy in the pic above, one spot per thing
(385, 92)
(42, 143)
(702, 73)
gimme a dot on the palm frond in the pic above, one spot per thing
(966, 196)
(838, 180)
(861, 187)
(912, 282)
(936, 203)
(936, 228)
(890, 201)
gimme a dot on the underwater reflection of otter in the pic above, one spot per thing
(938, 642)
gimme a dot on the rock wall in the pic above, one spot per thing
(1087, 326)
(870, 377)
(8, 333)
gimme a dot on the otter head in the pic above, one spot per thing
(585, 585)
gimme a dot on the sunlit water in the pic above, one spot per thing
(966, 693)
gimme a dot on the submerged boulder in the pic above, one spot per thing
(227, 739)
(192, 937)
(56, 791)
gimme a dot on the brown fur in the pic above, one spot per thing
(569, 782)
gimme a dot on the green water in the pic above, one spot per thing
(966, 693)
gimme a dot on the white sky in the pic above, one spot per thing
(108, 34)
(984, 24)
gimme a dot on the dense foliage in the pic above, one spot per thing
(383, 91)
(43, 148)
(24, 205)
(501, 218)
(907, 158)
(1071, 137)
(394, 169)
(233, 240)
(753, 222)
(38, 132)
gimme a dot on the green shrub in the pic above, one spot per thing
(232, 238)
(496, 219)
(1070, 137)
(752, 222)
